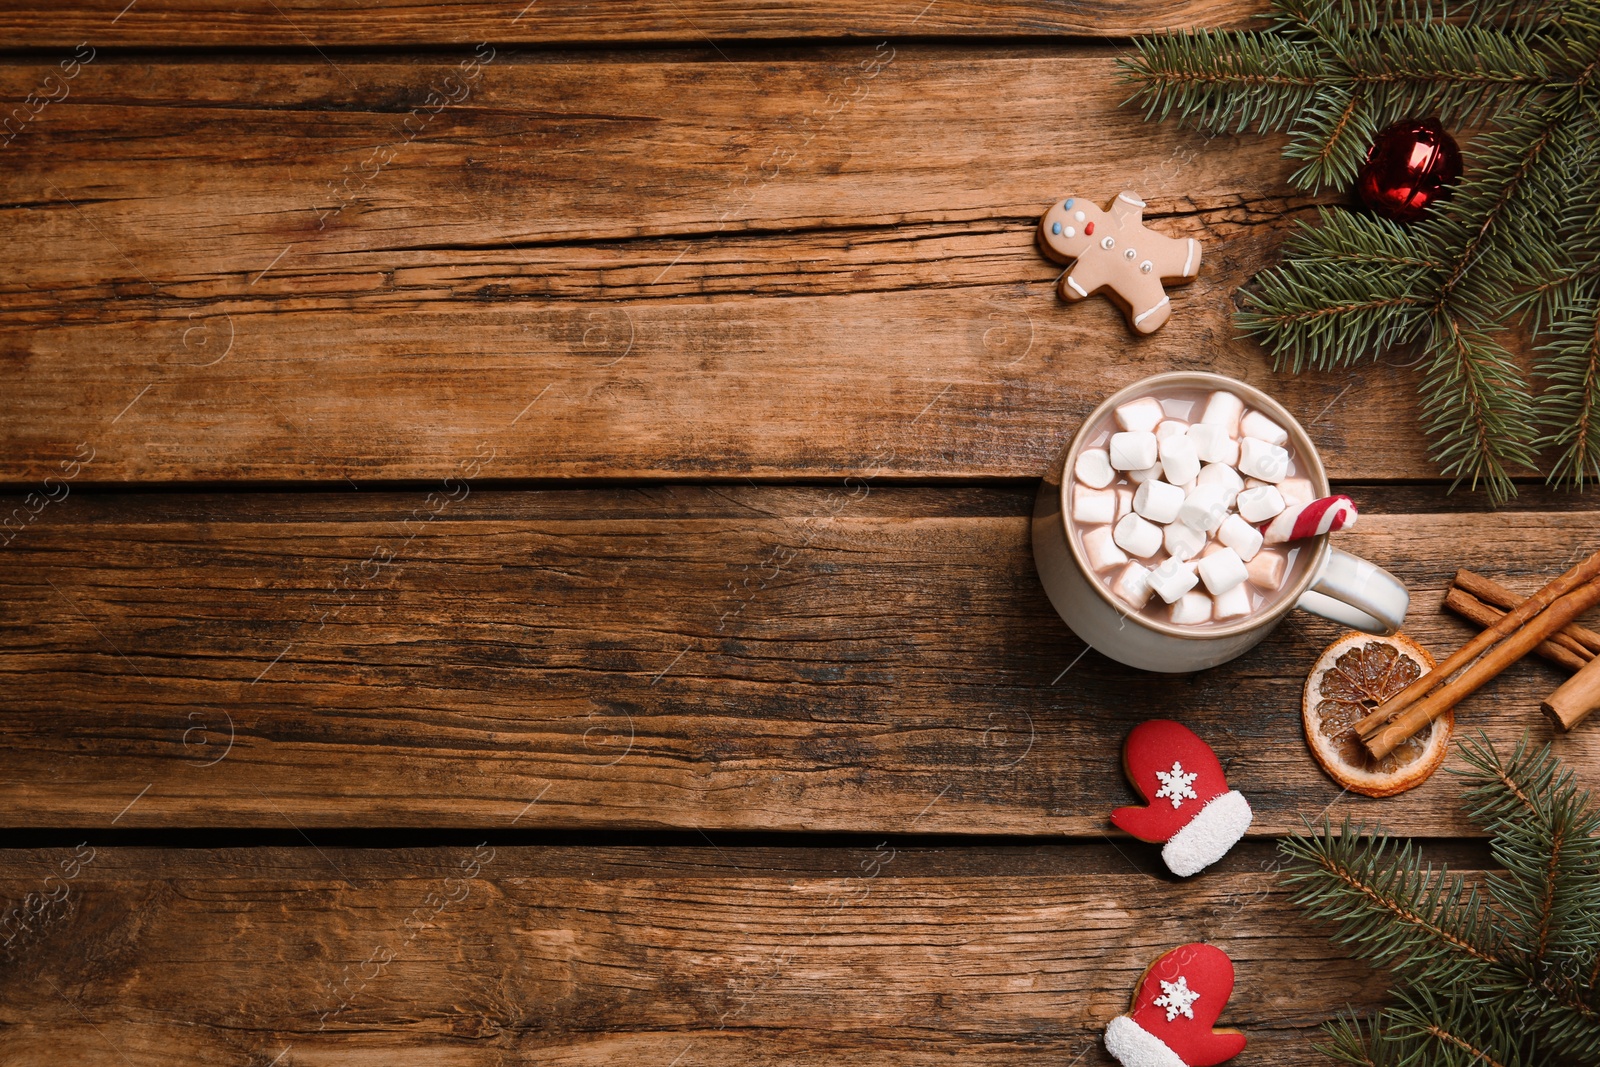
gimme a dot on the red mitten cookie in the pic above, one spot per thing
(1191, 807)
(1179, 999)
(1112, 252)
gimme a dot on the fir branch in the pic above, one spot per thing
(1223, 81)
(1511, 983)
(1350, 275)
(1522, 15)
(1480, 410)
(1310, 331)
(1332, 136)
(1393, 911)
(1463, 75)
(1363, 241)
(1520, 236)
(1566, 1026)
(1546, 834)
(1332, 80)
(1569, 408)
(1563, 284)
(1500, 794)
(1562, 306)
(1457, 1032)
(1426, 1029)
(1352, 1042)
(1561, 274)
(1509, 190)
(1479, 413)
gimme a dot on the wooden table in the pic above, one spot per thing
(527, 553)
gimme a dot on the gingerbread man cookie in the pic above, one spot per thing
(1115, 253)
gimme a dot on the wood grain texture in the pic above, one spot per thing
(670, 657)
(513, 955)
(769, 241)
(703, 268)
(289, 24)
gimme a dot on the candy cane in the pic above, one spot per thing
(1308, 520)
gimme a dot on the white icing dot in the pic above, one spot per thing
(1108, 242)
(1129, 254)
(1078, 215)
(1146, 267)
(1070, 232)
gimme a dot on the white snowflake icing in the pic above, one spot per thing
(1177, 998)
(1176, 785)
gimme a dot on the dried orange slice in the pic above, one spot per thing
(1351, 678)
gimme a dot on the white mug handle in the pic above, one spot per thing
(1358, 594)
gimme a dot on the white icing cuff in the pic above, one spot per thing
(1209, 835)
(1134, 1046)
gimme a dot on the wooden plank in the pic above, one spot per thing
(859, 658)
(349, 23)
(499, 954)
(627, 232)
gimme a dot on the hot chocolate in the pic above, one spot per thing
(1170, 498)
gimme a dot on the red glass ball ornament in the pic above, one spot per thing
(1411, 164)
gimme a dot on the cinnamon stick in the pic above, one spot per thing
(1557, 651)
(1509, 623)
(1496, 595)
(1388, 735)
(1577, 697)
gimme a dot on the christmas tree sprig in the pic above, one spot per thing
(1504, 973)
(1520, 237)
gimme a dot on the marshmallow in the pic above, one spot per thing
(1173, 579)
(1232, 604)
(1133, 585)
(1257, 458)
(1213, 443)
(1240, 536)
(1204, 508)
(1221, 571)
(1124, 501)
(1094, 468)
(1296, 491)
(1182, 542)
(1138, 537)
(1254, 424)
(1267, 569)
(1223, 409)
(1168, 427)
(1101, 551)
(1158, 501)
(1091, 506)
(1134, 450)
(1191, 608)
(1140, 415)
(1222, 476)
(1140, 477)
(1179, 461)
(1260, 504)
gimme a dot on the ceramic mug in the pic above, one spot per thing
(1334, 584)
